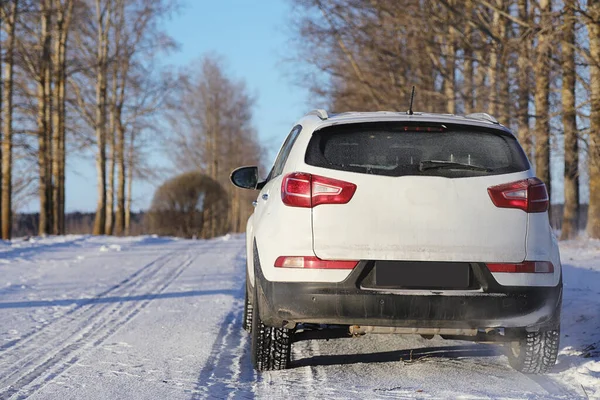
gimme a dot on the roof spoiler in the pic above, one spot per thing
(322, 114)
(483, 117)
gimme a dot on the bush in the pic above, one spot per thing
(189, 205)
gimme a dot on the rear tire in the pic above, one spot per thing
(536, 353)
(248, 310)
(271, 347)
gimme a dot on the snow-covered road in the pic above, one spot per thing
(152, 318)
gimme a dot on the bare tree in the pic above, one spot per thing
(211, 116)
(523, 84)
(542, 94)
(63, 12)
(9, 15)
(593, 26)
(570, 223)
(494, 50)
(44, 118)
(450, 56)
(103, 15)
(504, 50)
(468, 61)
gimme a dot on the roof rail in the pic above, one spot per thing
(483, 116)
(319, 113)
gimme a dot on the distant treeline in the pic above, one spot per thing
(75, 223)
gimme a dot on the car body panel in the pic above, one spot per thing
(418, 218)
(447, 219)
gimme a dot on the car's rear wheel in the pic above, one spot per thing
(271, 347)
(536, 352)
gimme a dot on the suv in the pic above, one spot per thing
(385, 222)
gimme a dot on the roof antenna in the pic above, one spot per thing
(412, 96)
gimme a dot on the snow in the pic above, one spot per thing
(159, 318)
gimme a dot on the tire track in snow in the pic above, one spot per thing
(306, 386)
(79, 310)
(51, 354)
(318, 372)
(227, 372)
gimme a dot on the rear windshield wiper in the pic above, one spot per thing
(433, 164)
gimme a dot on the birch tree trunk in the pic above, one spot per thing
(481, 90)
(120, 205)
(120, 153)
(450, 78)
(542, 96)
(493, 63)
(468, 60)
(103, 21)
(504, 107)
(62, 93)
(523, 80)
(59, 111)
(593, 25)
(43, 119)
(7, 102)
(570, 223)
(128, 196)
(110, 187)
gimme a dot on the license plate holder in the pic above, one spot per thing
(422, 275)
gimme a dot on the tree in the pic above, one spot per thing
(593, 26)
(211, 117)
(523, 80)
(103, 15)
(363, 53)
(468, 61)
(9, 15)
(44, 121)
(570, 223)
(64, 11)
(181, 205)
(542, 94)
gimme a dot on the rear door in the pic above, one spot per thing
(421, 193)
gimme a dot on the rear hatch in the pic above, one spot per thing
(421, 193)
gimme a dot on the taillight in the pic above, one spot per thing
(532, 267)
(313, 263)
(529, 195)
(300, 189)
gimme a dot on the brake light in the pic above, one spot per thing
(424, 129)
(529, 195)
(300, 189)
(532, 267)
(313, 263)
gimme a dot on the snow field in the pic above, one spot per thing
(158, 318)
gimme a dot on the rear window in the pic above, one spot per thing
(398, 150)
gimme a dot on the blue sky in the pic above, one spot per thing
(251, 36)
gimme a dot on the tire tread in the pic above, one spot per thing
(271, 346)
(538, 352)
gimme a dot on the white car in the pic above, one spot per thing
(386, 222)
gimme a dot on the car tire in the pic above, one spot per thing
(271, 347)
(248, 309)
(536, 352)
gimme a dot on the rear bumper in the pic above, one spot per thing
(349, 303)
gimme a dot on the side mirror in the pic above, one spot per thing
(245, 177)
